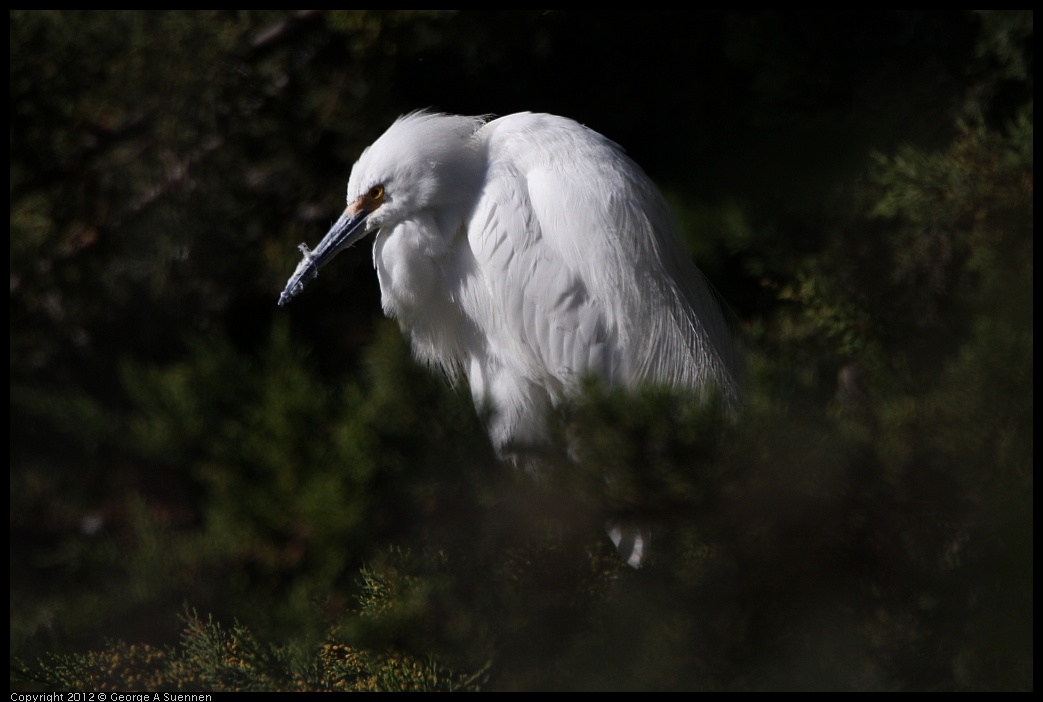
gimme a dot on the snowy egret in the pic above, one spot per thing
(523, 253)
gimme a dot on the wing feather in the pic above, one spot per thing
(583, 267)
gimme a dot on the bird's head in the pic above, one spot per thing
(424, 161)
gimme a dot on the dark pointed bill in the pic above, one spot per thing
(344, 232)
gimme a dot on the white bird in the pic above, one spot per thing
(523, 253)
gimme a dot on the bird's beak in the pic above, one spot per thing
(345, 231)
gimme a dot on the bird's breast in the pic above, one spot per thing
(408, 276)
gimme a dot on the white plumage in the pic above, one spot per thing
(524, 252)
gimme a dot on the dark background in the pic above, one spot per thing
(857, 186)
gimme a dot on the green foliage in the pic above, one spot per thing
(214, 659)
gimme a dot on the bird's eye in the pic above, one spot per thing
(376, 192)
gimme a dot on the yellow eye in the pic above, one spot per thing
(376, 193)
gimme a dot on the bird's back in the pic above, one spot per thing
(581, 270)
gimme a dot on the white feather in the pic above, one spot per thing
(527, 251)
(524, 253)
